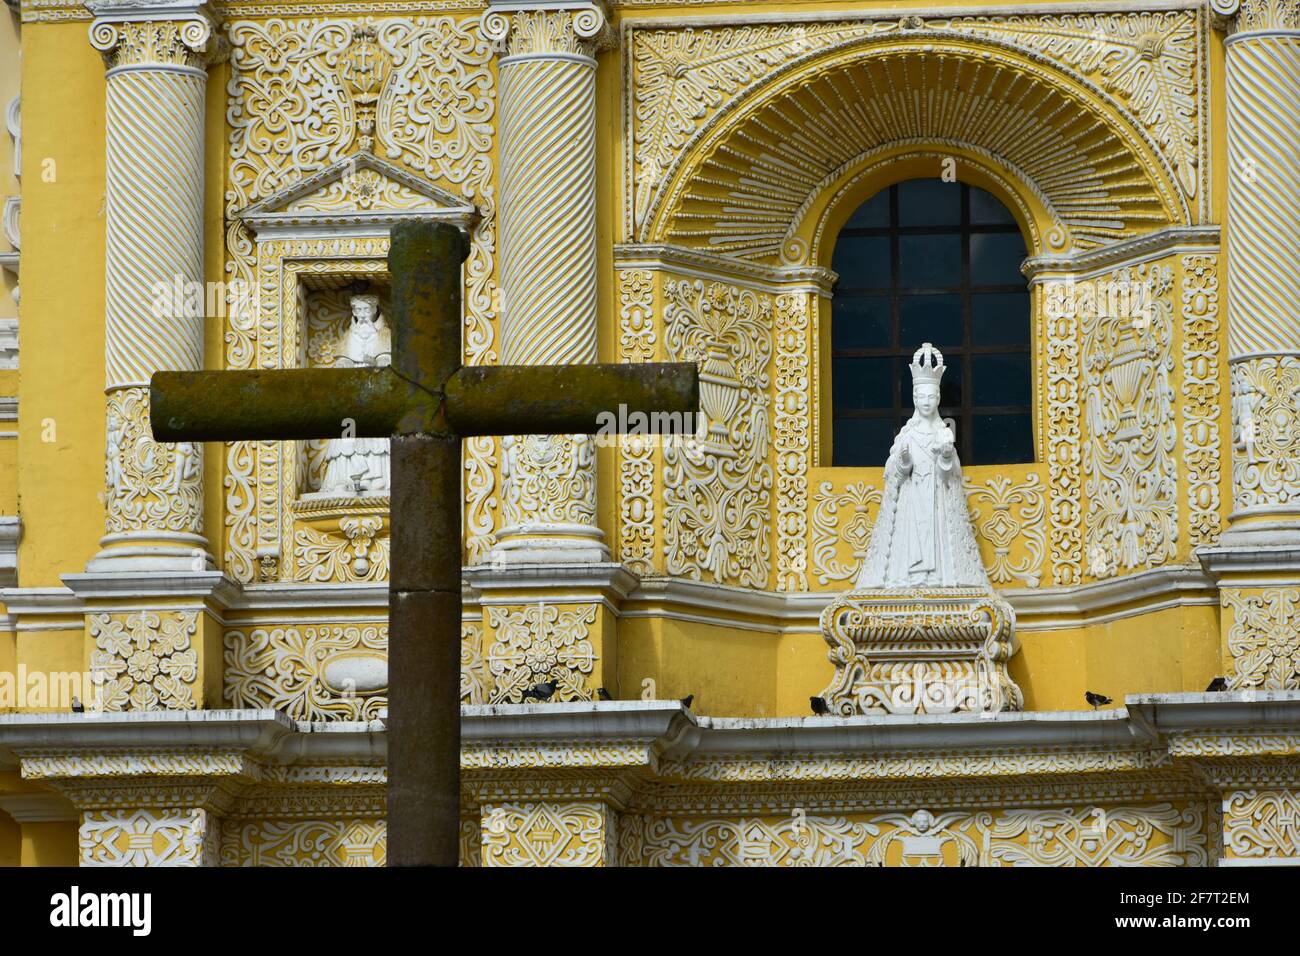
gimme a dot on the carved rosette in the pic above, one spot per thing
(1261, 638)
(540, 643)
(920, 651)
(144, 660)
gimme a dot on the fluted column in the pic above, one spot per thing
(156, 58)
(547, 90)
(1263, 287)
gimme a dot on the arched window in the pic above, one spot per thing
(931, 261)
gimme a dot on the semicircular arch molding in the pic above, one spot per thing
(743, 182)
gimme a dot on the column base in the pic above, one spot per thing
(184, 553)
(549, 544)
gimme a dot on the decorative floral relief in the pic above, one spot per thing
(548, 479)
(150, 485)
(314, 672)
(638, 340)
(145, 660)
(1161, 834)
(1064, 435)
(717, 493)
(547, 834)
(791, 438)
(1201, 451)
(1132, 479)
(537, 643)
(144, 838)
(1263, 643)
(358, 552)
(1005, 512)
(847, 516)
(1266, 431)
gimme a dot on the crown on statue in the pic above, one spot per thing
(927, 365)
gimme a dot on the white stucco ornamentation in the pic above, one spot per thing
(145, 660)
(922, 631)
(360, 465)
(147, 838)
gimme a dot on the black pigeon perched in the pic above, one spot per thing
(819, 706)
(77, 706)
(1217, 686)
(1096, 700)
(543, 691)
(602, 694)
(688, 700)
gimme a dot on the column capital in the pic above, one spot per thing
(145, 33)
(1250, 16)
(522, 27)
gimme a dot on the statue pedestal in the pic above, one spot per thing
(920, 651)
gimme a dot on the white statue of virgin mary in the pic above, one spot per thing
(359, 466)
(923, 535)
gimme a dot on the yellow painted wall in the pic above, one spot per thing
(60, 484)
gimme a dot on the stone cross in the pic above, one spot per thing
(426, 401)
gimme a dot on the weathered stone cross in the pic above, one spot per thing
(426, 401)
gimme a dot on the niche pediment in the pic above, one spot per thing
(358, 195)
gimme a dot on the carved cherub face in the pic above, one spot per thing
(926, 399)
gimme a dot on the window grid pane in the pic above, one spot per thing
(929, 290)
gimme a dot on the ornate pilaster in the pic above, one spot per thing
(547, 97)
(156, 56)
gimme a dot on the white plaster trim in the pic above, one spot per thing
(38, 807)
(1138, 249)
(711, 265)
(11, 532)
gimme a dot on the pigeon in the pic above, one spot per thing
(1217, 686)
(819, 706)
(77, 706)
(543, 691)
(688, 700)
(602, 694)
(1096, 700)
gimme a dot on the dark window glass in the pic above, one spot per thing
(929, 261)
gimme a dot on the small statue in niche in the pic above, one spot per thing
(359, 466)
(923, 535)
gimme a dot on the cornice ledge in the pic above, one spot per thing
(651, 723)
(208, 585)
(613, 579)
(1244, 712)
(1168, 240)
(726, 268)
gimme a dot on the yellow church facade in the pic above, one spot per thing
(1092, 208)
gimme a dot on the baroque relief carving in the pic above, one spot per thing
(547, 834)
(638, 342)
(1147, 67)
(540, 642)
(717, 493)
(357, 842)
(144, 660)
(1262, 640)
(300, 97)
(856, 503)
(314, 672)
(152, 486)
(145, 838)
(1064, 435)
(1201, 451)
(475, 681)
(1266, 432)
(1258, 824)
(1016, 513)
(1161, 834)
(791, 439)
(1128, 458)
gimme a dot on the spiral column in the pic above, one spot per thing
(156, 59)
(547, 90)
